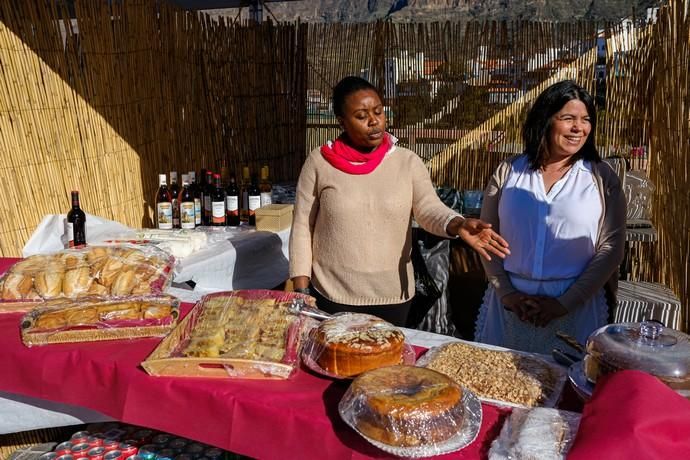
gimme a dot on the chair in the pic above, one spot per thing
(638, 301)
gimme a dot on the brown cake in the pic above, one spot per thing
(351, 343)
(404, 406)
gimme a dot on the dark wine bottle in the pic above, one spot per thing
(75, 225)
(164, 213)
(186, 200)
(254, 199)
(232, 203)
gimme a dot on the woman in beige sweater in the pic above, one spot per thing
(356, 196)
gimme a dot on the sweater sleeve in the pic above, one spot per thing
(303, 221)
(493, 268)
(427, 208)
(610, 245)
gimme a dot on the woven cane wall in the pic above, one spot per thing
(106, 101)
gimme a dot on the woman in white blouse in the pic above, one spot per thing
(563, 212)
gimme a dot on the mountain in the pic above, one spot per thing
(441, 10)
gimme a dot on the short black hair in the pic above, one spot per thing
(537, 126)
(344, 88)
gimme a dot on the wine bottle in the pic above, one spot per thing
(208, 192)
(265, 188)
(232, 203)
(217, 202)
(186, 200)
(194, 187)
(174, 195)
(245, 186)
(164, 214)
(253, 199)
(75, 224)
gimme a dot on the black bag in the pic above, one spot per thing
(426, 291)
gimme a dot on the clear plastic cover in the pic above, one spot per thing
(250, 333)
(539, 434)
(647, 346)
(348, 344)
(411, 411)
(104, 271)
(88, 319)
(499, 376)
(638, 193)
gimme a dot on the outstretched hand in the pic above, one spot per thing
(479, 235)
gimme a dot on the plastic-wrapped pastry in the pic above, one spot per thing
(16, 286)
(74, 260)
(52, 320)
(98, 289)
(110, 271)
(76, 281)
(143, 288)
(156, 311)
(76, 317)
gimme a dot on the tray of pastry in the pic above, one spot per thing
(103, 271)
(249, 334)
(498, 375)
(95, 319)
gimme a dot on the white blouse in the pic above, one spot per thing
(551, 235)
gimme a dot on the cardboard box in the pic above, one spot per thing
(274, 217)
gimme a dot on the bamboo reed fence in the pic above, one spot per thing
(105, 101)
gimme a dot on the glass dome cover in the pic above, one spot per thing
(647, 346)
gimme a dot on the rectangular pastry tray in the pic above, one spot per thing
(557, 373)
(168, 359)
(32, 334)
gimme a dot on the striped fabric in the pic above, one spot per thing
(639, 301)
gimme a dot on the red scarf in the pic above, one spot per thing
(340, 156)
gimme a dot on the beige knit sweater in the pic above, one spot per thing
(351, 233)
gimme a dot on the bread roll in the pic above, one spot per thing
(52, 320)
(49, 283)
(96, 253)
(124, 283)
(81, 316)
(156, 311)
(120, 311)
(98, 289)
(73, 260)
(110, 271)
(76, 281)
(142, 289)
(16, 286)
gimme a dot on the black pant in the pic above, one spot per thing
(393, 313)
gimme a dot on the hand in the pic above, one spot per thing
(549, 308)
(521, 304)
(481, 238)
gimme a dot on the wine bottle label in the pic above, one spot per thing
(232, 205)
(254, 203)
(165, 221)
(187, 215)
(218, 210)
(266, 199)
(69, 235)
(197, 211)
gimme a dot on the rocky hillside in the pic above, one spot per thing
(440, 10)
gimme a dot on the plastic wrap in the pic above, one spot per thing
(348, 344)
(638, 194)
(499, 376)
(92, 319)
(536, 434)
(104, 271)
(238, 334)
(411, 411)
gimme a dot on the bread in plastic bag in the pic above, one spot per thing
(93, 319)
(105, 271)
(411, 411)
(348, 344)
(535, 434)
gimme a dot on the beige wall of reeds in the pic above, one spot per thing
(110, 99)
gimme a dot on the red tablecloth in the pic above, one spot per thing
(295, 418)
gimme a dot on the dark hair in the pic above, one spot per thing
(344, 88)
(537, 126)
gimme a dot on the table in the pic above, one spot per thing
(295, 418)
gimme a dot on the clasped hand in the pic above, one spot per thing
(538, 310)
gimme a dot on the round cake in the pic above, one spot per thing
(404, 406)
(351, 343)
